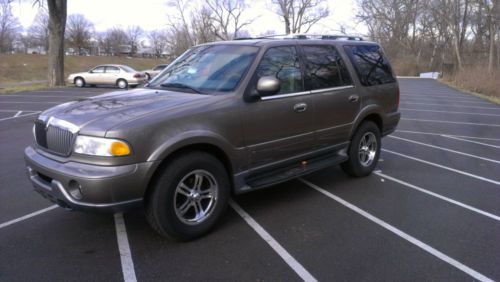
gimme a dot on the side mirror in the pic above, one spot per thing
(91, 71)
(268, 85)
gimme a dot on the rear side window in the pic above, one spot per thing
(325, 68)
(371, 64)
(112, 70)
(284, 64)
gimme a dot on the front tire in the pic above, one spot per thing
(189, 196)
(364, 150)
(79, 82)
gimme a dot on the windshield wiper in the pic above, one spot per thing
(180, 85)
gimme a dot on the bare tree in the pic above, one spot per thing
(38, 31)
(57, 26)
(158, 41)
(493, 26)
(79, 32)
(300, 15)
(134, 34)
(112, 39)
(9, 26)
(226, 17)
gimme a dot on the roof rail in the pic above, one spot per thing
(309, 36)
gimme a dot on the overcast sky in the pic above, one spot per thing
(153, 14)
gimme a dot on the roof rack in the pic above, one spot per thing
(309, 36)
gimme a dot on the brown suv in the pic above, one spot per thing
(225, 117)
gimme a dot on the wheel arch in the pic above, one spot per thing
(77, 77)
(178, 150)
(373, 113)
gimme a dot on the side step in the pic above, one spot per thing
(295, 170)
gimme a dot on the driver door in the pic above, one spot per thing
(94, 76)
(279, 126)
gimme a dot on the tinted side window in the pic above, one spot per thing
(284, 64)
(112, 70)
(370, 63)
(325, 67)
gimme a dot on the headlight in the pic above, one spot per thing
(100, 146)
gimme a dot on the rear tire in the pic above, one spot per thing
(122, 83)
(148, 76)
(364, 150)
(189, 196)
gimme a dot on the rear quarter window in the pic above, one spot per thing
(371, 64)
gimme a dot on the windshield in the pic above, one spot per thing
(211, 68)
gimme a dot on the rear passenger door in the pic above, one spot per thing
(111, 75)
(335, 100)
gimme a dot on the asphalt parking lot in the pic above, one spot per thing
(431, 211)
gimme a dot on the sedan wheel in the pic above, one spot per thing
(79, 82)
(122, 84)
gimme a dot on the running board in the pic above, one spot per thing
(295, 170)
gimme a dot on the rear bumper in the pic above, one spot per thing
(80, 186)
(391, 122)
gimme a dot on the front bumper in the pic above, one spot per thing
(81, 186)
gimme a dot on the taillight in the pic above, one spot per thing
(137, 75)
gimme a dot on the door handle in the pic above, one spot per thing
(300, 107)
(353, 98)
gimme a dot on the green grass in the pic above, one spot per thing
(31, 87)
(26, 67)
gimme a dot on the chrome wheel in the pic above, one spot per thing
(195, 197)
(367, 149)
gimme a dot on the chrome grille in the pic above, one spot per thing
(54, 139)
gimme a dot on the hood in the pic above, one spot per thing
(96, 115)
(78, 73)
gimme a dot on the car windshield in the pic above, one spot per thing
(210, 68)
(127, 69)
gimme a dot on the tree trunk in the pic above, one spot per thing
(56, 27)
(492, 45)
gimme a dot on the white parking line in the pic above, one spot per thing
(453, 106)
(470, 141)
(444, 149)
(30, 102)
(442, 134)
(438, 101)
(401, 234)
(403, 96)
(19, 116)
(124, 248)
(10, 222)
(44, 96)
(292, 262)
(453, 122)
(444, 167)
(450, 112)
(451, 201)
(18, 113)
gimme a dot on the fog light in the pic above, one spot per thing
(75, 190)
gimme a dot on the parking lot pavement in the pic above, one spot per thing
(431, 211)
